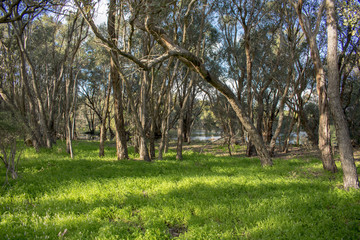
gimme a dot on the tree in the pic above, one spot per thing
(148, 13)
(121, 145)
(17, 10)
(324, 125)
(342, 132)
(10, 131)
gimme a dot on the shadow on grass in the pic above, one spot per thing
(201, 197)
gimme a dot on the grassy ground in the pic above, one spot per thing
(203, 197)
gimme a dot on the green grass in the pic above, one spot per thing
(202, 197)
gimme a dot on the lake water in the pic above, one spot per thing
(203, 135)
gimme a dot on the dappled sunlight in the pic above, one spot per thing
(203, 196)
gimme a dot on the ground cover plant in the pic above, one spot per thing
(202, 197)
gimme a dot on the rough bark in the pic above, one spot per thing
(68, 124)
(121, 144)
(143, 149)
(153, 110)
(342, 133)
(324, 126)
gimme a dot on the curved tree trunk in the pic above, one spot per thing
(194, 63)
(198, 66)
(342, 133)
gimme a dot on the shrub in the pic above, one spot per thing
(10, 131)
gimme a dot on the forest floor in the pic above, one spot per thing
(219, 148)
(208, 195)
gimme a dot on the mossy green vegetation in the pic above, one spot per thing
(201, 197)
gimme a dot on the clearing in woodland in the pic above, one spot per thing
(208, 195)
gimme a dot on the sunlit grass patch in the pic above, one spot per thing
(201, 197)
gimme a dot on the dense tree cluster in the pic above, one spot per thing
(257, 70)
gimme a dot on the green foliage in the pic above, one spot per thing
(10, 131)
(8, 126)
(202, 197)
(208, 120)
(349, 12)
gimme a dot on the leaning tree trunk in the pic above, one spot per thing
(192, 61)
(342, 133)
(197, 65)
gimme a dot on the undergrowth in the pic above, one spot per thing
(201, 197)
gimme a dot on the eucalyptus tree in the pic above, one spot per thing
(18, 10)
(93, 78)
(290, 50)
(112, 26)
(80, 30)
(149, 17)
(10, 131)
(43, 51)
(311, 30)
(342, 131)
(168, 105)
(349, 63)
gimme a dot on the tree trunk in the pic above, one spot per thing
(324, 124)
(165, 123)
(153, 111)
(152, 138)
(342, 133)
(288, 134)
(250, 148)
(324, 129)
(167, 126)
(104, 118)
(180, 129)
(121, 144)
(180, 137)
(144, 153)
(281, 115)
(197, 65)
(68, 124)
(162, 141)
(194, 63)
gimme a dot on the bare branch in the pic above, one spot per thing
(105, 41)
(318, 20)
